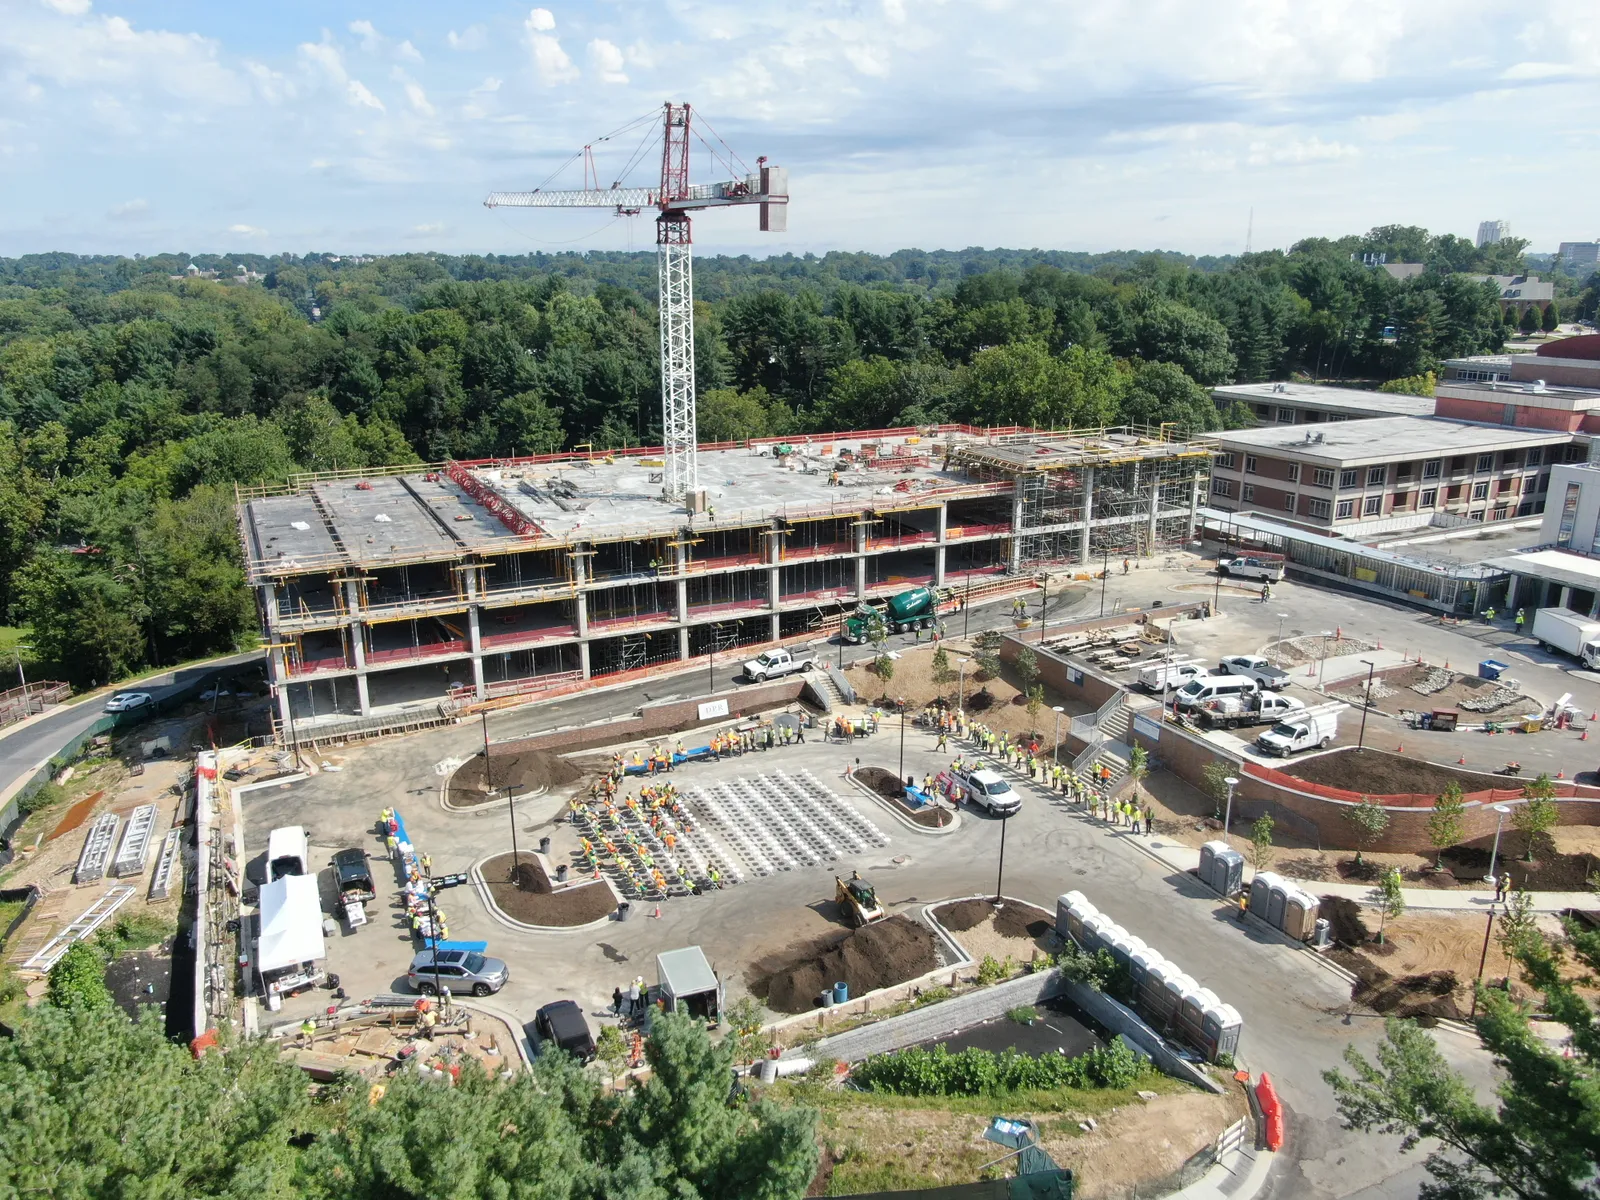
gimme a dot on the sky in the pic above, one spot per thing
(142, 126)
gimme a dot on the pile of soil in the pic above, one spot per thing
(1430, 994)
(1379, 773)
(883, 953)
(887, 785)
(531, 898)
(527, 771)
(1013, 920)
(964, 914)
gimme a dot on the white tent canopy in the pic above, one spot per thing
(291, 923)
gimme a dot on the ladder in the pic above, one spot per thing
(96, 915)
(96, 855)
(135, 847)
(161, 881)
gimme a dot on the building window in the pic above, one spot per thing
(1288, 502)
(1475, 516)
(1480, 491)
(1508, 460)
(1430, 469)
(1376, 476)
(1508, 414)
(1458, 464)
(1292, 472)
(1286, 416)
(1249, 464)
(1346, 508)
(1569, 515)
(1347, 479)
(1405, 471)
(1535, 456)
(1500, 512)
(1222, 487)
(1317, 508)
(1372, 506)
(1247, 493)
(1485, 463)
(1428, 498)
(1401, 500)
(1225, 461)
(1323, 477)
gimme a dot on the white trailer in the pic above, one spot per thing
(1567, 631)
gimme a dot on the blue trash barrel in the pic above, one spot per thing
(841, 992)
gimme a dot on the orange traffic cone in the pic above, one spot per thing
(1380, 643)
(1400, 749)
(1462, 761)
(1584, 736)
(1561, 774)
(657, 913)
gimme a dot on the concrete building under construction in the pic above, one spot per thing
(475, 580)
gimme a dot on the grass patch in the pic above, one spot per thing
(135, 931)
(13, 996)
(1027, 1014)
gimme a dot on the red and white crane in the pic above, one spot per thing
(675, 199)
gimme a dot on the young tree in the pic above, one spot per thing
(1261, 843)
(1551, 319)
(1538, 815)
(1518, 925)
(1369, 819)
(883, 667)
(744, 1027)
(78, 980)
(612, 1051)
(1391, 899)
(1138, 768)
(1027, 666)
(943, 673)
(1216, 774)
(1035, 704)
(987, 646)
(1445, 822)
(1539, 1139)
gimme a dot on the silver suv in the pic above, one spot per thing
(458, 970)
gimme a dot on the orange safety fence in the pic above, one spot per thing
(1403, 799)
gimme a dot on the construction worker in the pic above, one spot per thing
(1489, 614)
(1521, 617)
(940, 746)
(1124, 566)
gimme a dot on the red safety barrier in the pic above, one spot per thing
(1271, 1112)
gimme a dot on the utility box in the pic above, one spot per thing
(688, 984)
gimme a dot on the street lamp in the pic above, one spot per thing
(1216, 590)
(1056, 751)
(1227, 817)
(1105, 571)
(961, 684)
(1044, 605)
(19, 649)
(902, 741)
(1000, 875)
(1277, 647)
(1323, 667)
(1367, 703)
(511, 811)
(1500, 816)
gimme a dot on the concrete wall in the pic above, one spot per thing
(1120, 1019)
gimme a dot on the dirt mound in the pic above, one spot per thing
(1022, 921)
(1344, 920)
(883, 953)
(1378, 773)
(964, 914)
(531, 898)
(527, 771)
(529, 876)
(886, 783)
(1429, 994)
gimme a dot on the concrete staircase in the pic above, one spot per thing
(1108, 736)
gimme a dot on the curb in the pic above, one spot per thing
(481, 886)
(899, 816)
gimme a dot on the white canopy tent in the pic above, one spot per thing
(290, 923)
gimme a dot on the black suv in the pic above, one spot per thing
(562, 1023)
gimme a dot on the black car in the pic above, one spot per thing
(561, 1023)
(354, 876)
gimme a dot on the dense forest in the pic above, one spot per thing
(135, 392)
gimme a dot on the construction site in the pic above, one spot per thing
(400, 589)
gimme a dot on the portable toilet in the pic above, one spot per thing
(1080, 912)
(1220, 1029)
(1139, 965)
(1227, 872)
(1177, 987)
(1064, 905)
(1131, 946)
(1277, 898)
(1208, 855)
(1300, 914)
(1111, 936)
(1261, 892)
(1152, 994)
(1192, 1018)
(1092, 927)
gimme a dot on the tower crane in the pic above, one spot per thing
(674, 199)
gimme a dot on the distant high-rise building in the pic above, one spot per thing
(1579, 254)
(1490, 232)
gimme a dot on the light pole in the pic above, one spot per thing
(25, 705)
(1105, 571)
(1277, 647)
(488, 782)
(1362, 736)
(511, 811)
(1482, 959)
(902, 741)
(1322, 669)
(1216, 590)
(966, 605)
(1044, 605)
(1500, 816)
(1000, 875)
(1056, 750)
(1227, 817)
(961, 684)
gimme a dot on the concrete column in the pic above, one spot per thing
(774, 588)
(361, 695)
(1566, 595)
(777, 627)
(278, 677)
(938, 567)
(358, 648)
(1511, 594)
(861, 561)
(944, 520)
(1155, 508)
(475, 641)
(1194, 505)
(583, 658)
(1088, 513)
(683, 644)
(1016, 529)
(269, 604)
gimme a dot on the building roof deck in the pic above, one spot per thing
(1352, 401)
(1386, 439)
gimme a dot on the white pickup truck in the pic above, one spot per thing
(1302, 730)
(1253, 666)
(988, 789)
(1159, 676)
(775, 663)
(1260, 708)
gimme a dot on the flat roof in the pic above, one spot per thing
(1355, 401)
(1386, 439)
(685, 972)
(1563, 566)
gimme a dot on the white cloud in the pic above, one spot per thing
(473, 37)
(490, 84)
(1298, 150)
(552, 64)
(419, 99)
(428, 229)
(325, 57)
(251, 231)
(371, 39)
(408, 52)
(129, 210)
(606, 59)
(360, 95)
(1536, 70)
(73, 8)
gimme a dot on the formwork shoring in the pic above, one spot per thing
(1120, 513)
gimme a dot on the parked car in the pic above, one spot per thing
(561, 1023)
(1253, 666)
(988, 789)
(128, 701)
(458, 970)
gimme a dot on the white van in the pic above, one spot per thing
(1197, 692)
(288, 852)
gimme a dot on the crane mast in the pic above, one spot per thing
(675, 199)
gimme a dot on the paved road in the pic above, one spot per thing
(23, 748)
